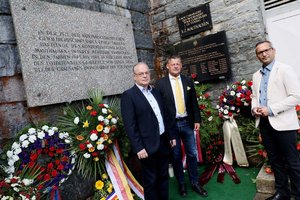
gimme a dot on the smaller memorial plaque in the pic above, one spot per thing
(194, 21)
(207, 57)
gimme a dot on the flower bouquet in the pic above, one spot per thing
(104, 188)
(93, 129)
(45, 152)
(235, 97)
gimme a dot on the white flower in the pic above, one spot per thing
(244, 87)
(246, 104)
(31, 130)
(45, 128)
(94, 137)
(89, 145)
(106, 121)
(32, 138)
(106, 130)
(15, 145)
(243, 82)
(232, 108)
(10, 169)
(27, 181)
(101, 140)
(61, 135)
(100, 146)
(106, 105)
(51, 132)
(73, 160)
(217, 106)
(11, 162)
(196, 82)
(238, 94)
(87, 155)
(232, 93)
(100, 118)
(54, 128)
(104, 110)
(225, 112)
(114, 120)
(41, 135)
(15, 158)
(23, 137)
(224, 100)
(67, 141)
(76, 120)
(210, 118)
(25, 144)
(18, 150)
(9, 154)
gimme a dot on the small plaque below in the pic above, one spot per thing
(207, 57)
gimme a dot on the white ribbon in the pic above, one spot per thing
(232, 136)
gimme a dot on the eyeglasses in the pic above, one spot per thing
(264, 51)
(141, 74)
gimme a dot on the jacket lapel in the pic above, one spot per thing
(169, 89)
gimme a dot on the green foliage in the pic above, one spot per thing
(211, 123)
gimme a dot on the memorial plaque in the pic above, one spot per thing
(67, 51)
(207, 57)
(194, 21)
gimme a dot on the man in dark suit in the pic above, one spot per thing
(179, 95)
(145, 122)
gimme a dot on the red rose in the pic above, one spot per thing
(206, 95)
(57, 162)
(51, 154)
(65, 159)
(33, 156)
(31, 164)
(93, 113)
(94, 132)
(94, 154)
(60, 167)
(40, 187)
(54, 173)
(81, 146)
(52, 148)
(298, 146)
(47, 177)
(50, 165)
(101, 105)
(193, 76)
(249, 83)
(59, 151)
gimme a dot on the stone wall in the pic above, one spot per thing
(241, 19)
(14, 113)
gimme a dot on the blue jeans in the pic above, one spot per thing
(186, 134)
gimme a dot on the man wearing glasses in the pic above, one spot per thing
(276, 92)
(146, 123)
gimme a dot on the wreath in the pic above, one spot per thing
(46, 153)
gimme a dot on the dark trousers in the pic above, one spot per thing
(155, 173)
(281, 147)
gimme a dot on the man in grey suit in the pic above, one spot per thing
(276, 92)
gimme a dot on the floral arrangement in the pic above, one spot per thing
(235, 97)
(93, 129)
(18, 188)
(46, 151)
(103, 188)
(210, 122)
(215, 151)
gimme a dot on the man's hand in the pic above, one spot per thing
(142, 154)
(173, 143)
(256, 111)
(196, 126)
(264, 111)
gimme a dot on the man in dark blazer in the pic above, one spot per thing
(145, 122)
(186, 118)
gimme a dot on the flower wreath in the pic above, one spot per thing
(45, 150)
(93, 128)
(235, 97)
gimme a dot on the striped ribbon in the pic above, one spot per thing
(133, 183)
(117, 177)
(112, 196)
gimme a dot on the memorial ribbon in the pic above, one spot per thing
(232, 136)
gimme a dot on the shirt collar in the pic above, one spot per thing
(173, 77)
(268, 68)
(149, 88)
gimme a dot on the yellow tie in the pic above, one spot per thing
(179, 97)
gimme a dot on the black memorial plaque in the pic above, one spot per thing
(194, 21)
(207, 57)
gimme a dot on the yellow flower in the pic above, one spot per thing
(89, 108)
(98, 142)
(109, 190)
(91, 149)
(79, 137)
(96, 159)
(99, 185)
(109, 110)
(105, 137)
(103, 198)
(109, 117)
(86, 124)
(99, 128)
(109, 141)
(104, 176)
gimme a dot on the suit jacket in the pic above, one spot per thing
(283, 94)
(191, 104)
(140, 121)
